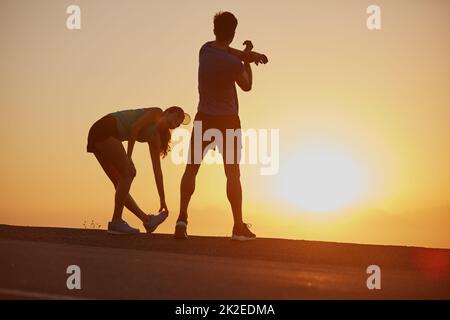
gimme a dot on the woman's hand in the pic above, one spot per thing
(163, 206)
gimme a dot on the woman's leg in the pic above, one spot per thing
(131, 205)
(112, 149)
(113, 175)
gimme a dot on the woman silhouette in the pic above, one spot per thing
(149, 125)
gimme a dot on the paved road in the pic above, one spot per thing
(34, 262)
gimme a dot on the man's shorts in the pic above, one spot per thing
(228, 127)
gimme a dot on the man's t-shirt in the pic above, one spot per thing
(217, 73)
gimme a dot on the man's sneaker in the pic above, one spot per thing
(242, 233)
(154, 221)
(121, 227)
(180, 230)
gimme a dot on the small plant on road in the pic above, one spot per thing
(93, 225)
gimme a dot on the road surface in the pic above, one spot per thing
(34, 262)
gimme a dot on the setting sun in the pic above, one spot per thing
(320, 179)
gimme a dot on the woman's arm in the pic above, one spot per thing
(155, 150)
(151, 115)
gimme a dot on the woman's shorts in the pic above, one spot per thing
(101, 130)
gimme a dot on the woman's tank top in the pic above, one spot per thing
(125, 120)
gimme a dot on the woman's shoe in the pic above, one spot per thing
(121, 227)
(155, 220)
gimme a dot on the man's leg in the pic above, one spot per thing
(232, 148)
(187, 188)
(241, 230)
(234, 192)
(196, 153)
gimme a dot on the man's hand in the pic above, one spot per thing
(252, 56)
(248, 45)
(247, 55)
(255, 57)
(258, 58)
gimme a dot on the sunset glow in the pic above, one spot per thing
(362, 115)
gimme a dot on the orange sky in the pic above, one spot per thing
(378, 98)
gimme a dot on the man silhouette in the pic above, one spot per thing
(220, 67)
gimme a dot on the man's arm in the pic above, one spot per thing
(248, 56)
(245, 79)
(241, 55)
